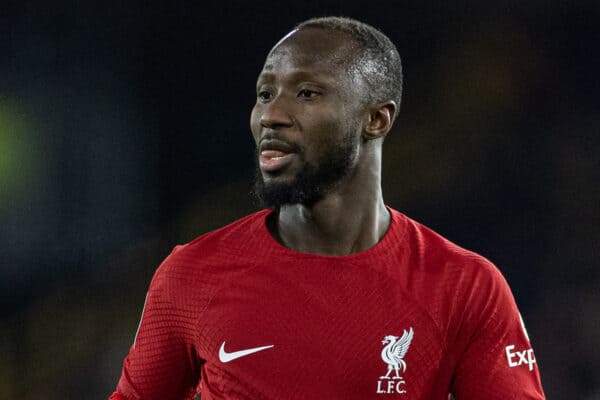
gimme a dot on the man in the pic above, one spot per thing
(328, 293)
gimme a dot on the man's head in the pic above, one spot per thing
(377, 60)
(327, 95)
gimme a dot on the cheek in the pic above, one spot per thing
(255, 123)
(324, 139)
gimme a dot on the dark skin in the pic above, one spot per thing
(309, 99)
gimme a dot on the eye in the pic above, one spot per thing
(264, 95)
(307, 94)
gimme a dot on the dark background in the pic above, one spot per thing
(124, 131)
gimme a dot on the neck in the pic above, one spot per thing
(349, 219)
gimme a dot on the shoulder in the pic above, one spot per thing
(467, 289)
(232, 236)
(445, 266)
(213, 249)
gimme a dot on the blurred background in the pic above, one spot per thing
(124, 131)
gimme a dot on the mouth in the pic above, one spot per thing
(275, 155)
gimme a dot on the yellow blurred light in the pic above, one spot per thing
(16, 158)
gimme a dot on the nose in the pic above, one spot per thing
(276, 114)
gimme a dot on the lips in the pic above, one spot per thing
(273, 160)
(275, 155)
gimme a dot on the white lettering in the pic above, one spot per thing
(524, 357)
(398, 388)
(509, 356)
(391, 386)
(530, 359)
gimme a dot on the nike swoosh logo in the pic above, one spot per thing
(225, 357)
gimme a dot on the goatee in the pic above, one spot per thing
(313, 182)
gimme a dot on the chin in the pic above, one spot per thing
(274, 192)
(277, 179)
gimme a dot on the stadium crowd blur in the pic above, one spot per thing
(124, 131)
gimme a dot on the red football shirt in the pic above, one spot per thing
(235, 315)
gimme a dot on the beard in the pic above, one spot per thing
(312, 182)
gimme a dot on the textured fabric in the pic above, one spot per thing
(414, 317)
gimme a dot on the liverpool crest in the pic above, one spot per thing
(392, 354)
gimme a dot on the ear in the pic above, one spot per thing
(380, 119)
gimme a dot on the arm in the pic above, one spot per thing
(162, 363)
(498, 361)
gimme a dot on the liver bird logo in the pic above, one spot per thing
(394, 351)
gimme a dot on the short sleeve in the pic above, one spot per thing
(162, 363)
(497, 360)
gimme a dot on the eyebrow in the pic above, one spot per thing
(299, 75)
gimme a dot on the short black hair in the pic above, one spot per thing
(378, 61)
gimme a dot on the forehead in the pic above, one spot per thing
(313, 49)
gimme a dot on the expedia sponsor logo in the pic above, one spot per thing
(517, 358)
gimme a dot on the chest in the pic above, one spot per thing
(332, 333)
